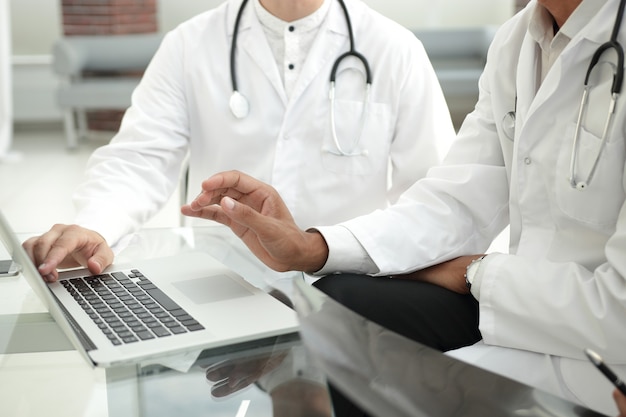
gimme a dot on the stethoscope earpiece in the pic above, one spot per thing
(239, 105)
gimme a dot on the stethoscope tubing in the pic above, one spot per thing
(239, 105)
(616, 87)
(233, 46)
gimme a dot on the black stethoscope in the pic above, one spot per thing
(240, 107)
(618, 77)
(508, 122)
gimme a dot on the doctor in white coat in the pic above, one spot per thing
(285, 50)
(519, 159)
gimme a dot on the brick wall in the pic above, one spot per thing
(108, 17)
(103, 17)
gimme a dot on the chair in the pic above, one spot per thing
(98, 73)
(458, 56)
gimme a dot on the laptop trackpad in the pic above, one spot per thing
(210, 289)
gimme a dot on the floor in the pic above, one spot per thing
(38, 181)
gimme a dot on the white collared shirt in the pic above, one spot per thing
(541, 29)
(290, 42)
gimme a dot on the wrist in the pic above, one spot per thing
(470, 272)
(314, 253)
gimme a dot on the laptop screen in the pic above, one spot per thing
(389, 375)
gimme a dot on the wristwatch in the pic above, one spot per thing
(470, 271)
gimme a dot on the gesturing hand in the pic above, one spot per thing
(255, 213)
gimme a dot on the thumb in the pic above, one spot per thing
(100, 260)
(242, 214)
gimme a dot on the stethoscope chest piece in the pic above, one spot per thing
(581, 185)
(239, 105)
(508, 125)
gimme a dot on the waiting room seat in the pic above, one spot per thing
(98, 73)
(458, 56)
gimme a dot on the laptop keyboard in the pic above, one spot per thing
(129, 308)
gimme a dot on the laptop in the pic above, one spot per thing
(389, 375)
(154, 309)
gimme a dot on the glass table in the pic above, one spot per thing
(390, 376)
(41, 374)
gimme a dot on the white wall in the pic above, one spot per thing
(411, 13)
(36, 24)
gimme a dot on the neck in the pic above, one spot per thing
(560, 10)
(290, 10)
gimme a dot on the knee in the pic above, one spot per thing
(333, 285)
(351, 290)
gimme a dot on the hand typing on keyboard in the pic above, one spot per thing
(68, 246)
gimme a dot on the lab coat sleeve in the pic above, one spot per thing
(423, 130)
(555, 307)
(130, 179)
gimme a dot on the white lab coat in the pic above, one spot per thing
(562, 286)
(182, 106)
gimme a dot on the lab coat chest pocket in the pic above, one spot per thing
(599, 203)
(363, 131)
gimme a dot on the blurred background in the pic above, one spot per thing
(37, 24)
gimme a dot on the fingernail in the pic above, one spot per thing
(229, 203)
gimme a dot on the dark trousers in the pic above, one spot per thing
(429, 314)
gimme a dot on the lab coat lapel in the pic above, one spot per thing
(527, 79)
(253, 42)
(580, 48)
(332, 37)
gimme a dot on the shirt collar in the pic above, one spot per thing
(581, 16)
(541, 23)
(277, 26)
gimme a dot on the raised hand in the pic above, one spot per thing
(255, 213)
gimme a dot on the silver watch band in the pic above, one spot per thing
(471, 270)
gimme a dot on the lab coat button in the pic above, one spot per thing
(527, 161)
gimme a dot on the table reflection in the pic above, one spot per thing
(270, 377)
(390, 375)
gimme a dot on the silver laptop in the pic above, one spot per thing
(388, 375)
(155, 308)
